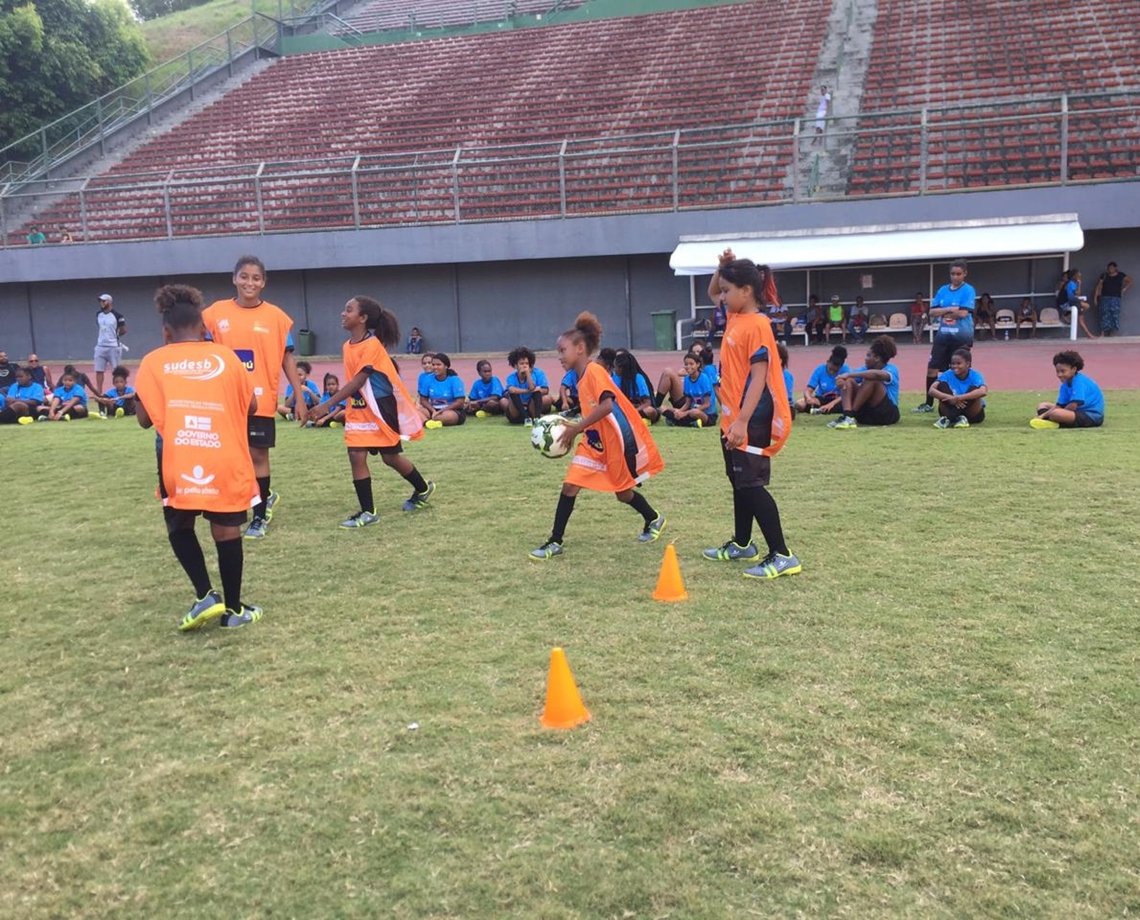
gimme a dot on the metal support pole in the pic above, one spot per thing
(83, 208)
(923, 151)
(257, 197)
(149, 98)
(676, 172)
(355, 194)
(1065, 147)
(455, 180)
(796, 160)
(562, 176)
(230, 52)
(99, 120)
(190, 71)
(166, 205)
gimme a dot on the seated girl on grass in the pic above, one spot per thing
(821, 395)
(634, 383)
(698, 404)
(870, 394)
(483, 399)
(960, 393)
(1080, 403)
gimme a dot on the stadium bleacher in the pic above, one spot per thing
(405, 108)
(384, 15)
(959, 59)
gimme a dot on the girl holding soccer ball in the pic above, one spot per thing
(617, 453)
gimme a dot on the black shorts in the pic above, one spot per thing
(943, 350)
(462, 416)
(1084, 420)
(262, 431)
(745, 470)
(390, 451)
(181, 519)
(885, 413)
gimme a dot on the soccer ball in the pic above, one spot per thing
(545, 433)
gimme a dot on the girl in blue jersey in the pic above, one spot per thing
(870, 394)
(442, 396)
(671, 384)
(568, 394)
(21, 399)
(427, 371)
(335, 418)
(698, 404)
(960, 393)
(789, 380)
(821, 395)
(527, 389)
(1080, 403)
(634, 383)
(68, 401)
(120, 399)
(309, 392)
(486, 394)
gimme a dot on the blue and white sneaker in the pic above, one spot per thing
(419, 499)
(244, 617)
(652, 530)
(773, 566)
(202, 612)
(257, 529)
(547, 551)
(732, 552)
(360, 519)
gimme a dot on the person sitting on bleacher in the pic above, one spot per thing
(858, 319)
(415, 344)
(985, 314)
(1026, 314)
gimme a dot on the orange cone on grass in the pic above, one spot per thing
(564, 708)
(670, 585)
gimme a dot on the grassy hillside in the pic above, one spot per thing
(170, 36)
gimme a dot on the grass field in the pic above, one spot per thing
(937, 718)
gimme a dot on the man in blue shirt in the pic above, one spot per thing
(953, 308)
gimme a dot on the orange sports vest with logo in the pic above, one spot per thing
(364, 424)
(747, 336)
(198, 395)
(259, 336)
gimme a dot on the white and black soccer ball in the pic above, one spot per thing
(545, 433)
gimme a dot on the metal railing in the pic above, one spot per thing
(1019, 143)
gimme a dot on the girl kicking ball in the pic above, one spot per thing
(380, 414)
(617, 453)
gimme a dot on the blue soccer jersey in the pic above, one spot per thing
(1085, 393)
(570, 381)
(32, 393)
(640, 387)
(481, 390)
(892, 385)
(312, 394)
(822, 382)
(699, 389)
(710, 371)
(421, 382)
(789, 385)
(63, 394)
(959, 385)
(442, 392)
(961, 298)
(539, 381)
(120, 398)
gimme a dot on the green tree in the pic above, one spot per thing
(56, 55)
(152, 9)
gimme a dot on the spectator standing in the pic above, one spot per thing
(1069, 298)
(108, 347)
(821, 114)
(918, 316)
(1111, 287)
(953, 308)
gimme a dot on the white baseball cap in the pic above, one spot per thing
(106, 297)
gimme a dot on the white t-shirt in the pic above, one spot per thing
(824, 101)
(108, 322)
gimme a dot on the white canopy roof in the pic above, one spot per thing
(930, 241)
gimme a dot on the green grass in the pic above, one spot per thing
(938, 718)
(176, 33)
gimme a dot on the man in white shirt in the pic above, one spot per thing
(108, 347)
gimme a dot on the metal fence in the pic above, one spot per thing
(1012, 144)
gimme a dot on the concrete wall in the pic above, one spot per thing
(487, 287)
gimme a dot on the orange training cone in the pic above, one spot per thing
(670, 585)
(564, 707)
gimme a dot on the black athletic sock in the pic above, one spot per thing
(741, 518)
(416, 480)
(562, 517)
(230, 565)
(364, 494)
(188, 551)
(658, 399)
(929, 398)
(767, 515)
(263, 485)
(642, 507)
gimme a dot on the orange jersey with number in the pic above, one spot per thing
(748, 339)
(198, 394)
(380, 413)
(617, 452)
(259, 336)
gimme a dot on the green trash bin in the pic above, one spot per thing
(664, 329)
(306, 342)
